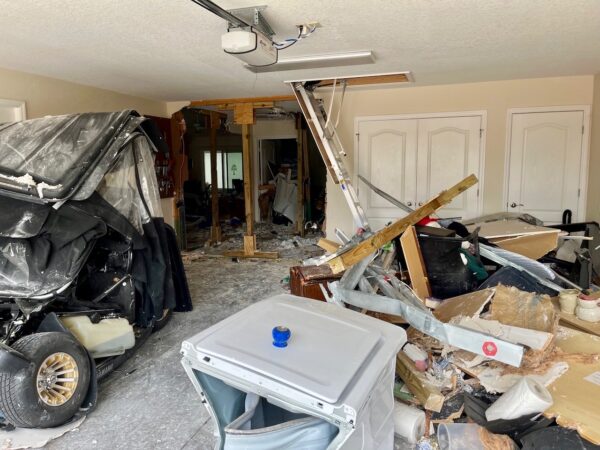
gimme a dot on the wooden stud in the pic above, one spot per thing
(327, 245)
(247, 168)
(429, 396)
(300, 177)
(250, 244)
(243, 114)
(415, 263)
(215, 230)
(382, 237)
(233, 101)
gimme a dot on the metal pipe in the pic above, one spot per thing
(223, 14)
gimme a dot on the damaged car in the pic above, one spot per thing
(88, 267)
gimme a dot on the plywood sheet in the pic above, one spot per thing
(576, 393)
(468, 305)
(415, 264)
(509, 228)
(533, 246)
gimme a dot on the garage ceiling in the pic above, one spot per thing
(170, 50)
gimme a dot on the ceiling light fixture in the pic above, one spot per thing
(317, 61)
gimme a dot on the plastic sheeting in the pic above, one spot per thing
(47, 157)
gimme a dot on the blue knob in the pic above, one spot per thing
(281, 336)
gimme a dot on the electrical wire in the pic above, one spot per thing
(291, 41)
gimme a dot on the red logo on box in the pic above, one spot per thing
(489, 348)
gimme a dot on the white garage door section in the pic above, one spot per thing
(545, 164)
(413, 159)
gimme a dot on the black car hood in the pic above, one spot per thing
(50, 158)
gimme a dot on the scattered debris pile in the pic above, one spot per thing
(500, 313)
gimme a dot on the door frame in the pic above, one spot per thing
(585, 150)
(255, 161)
(437, 115)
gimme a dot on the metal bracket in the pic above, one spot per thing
(253, 16)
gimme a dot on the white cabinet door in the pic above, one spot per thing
(387, 157)
(449, 150)
(545, 163)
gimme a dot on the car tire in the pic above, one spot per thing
(50, 391)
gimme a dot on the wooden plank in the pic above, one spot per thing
(231, 106)
(362, 80)
(243, 114)
(468, 305)
(299, 178)
(429, 396)
(379, 239)
(215, 230)
(508, 228)
(327, 245)
(256, 254)
(250, 244)
(222, 101)
(247, 168)
(533, 246)
(415, 263)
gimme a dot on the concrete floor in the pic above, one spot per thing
(149, 403)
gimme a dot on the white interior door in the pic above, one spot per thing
(545, 164)
(449, 150)
(387, 157)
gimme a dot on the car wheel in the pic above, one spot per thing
(51, 390)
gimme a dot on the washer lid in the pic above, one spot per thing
(327, 347)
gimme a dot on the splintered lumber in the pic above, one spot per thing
(429, 396)
(328, 245)
(382, 237)
(415, 263)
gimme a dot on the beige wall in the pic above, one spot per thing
(494, 97)
(593, 206)
(48, 96)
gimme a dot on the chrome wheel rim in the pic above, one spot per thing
(57, 379)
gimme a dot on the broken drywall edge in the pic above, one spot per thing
(495, 382)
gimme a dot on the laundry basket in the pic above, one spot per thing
(330, 387)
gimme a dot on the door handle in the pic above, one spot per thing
(514, 205)
(420, 203)
(409, 204)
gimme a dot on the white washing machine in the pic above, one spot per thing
(293, 373)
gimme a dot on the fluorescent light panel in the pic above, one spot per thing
(317, 61)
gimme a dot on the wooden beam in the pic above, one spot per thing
(231, 106)
(382, 237)
(415, 264)
(231, 101)
(429, 396)
(247, 169)
(329, 246)
(215, 230)
(366, 80)
(256, 254)
(243, 114)
(299, 177)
